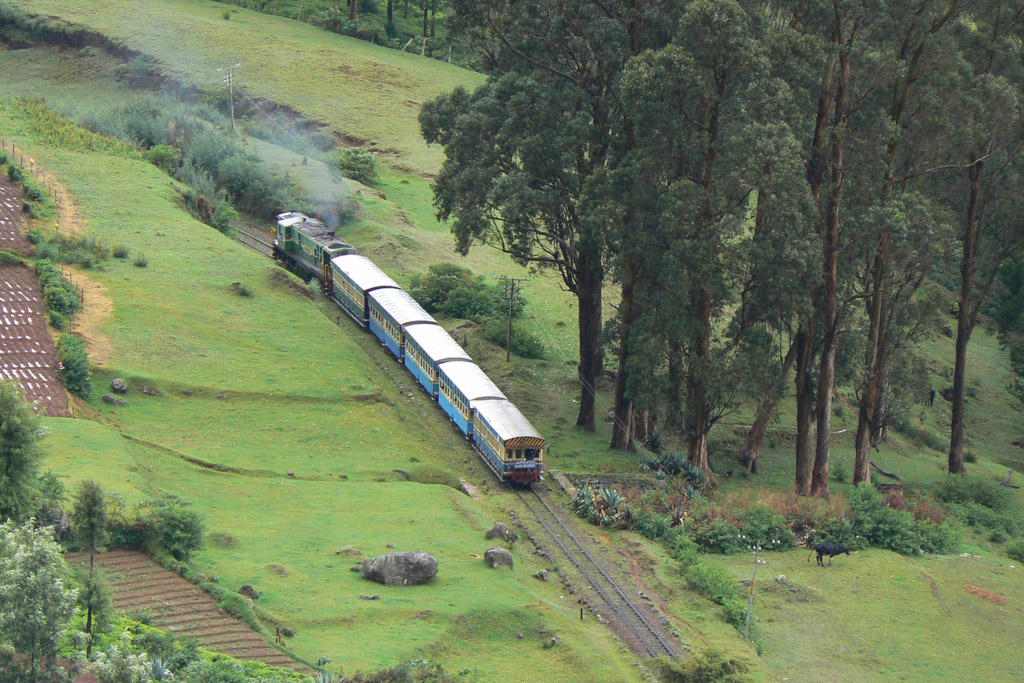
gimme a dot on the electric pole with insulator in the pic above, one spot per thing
(229, 78)
(512, 285)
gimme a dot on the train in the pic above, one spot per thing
(506, 441)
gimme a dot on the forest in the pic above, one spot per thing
(771, 192)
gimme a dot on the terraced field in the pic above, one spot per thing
(176, 605)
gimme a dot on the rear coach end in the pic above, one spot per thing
(511, 446)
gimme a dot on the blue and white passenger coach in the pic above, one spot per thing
(354, 277)
(510, 444)
(427, 347)
(391, 311)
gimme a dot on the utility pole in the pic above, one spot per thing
(229, 78)
(513, 283)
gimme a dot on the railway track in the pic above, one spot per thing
(643, 635)
(254, 240)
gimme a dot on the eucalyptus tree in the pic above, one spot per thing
(709, 134)
(522, 150)
(902, 125)
(89, 522)
(983, 183)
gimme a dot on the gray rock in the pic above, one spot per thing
(400, 569)
(781, 578)
(498, 557)
(119, 386)
(249, 592)
(149, 391)
(369, 597)
(503, 532)
(947, 330)
(287, 632)
(542, 575)
(291, 474)
(356, 568)
(114, 400)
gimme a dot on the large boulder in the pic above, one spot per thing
(114, 400)
(400, 569)
(249, 592)
(498, 557)
(503, 532)
(119, 386)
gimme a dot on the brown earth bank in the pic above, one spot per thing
(139, 584)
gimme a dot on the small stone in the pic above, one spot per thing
(496, 557)
(113, 400)
(149, 391)
(119, 386)
(519, 636)
(370, 597)
(287, 632)
(781, 578)
(291, 474)
(542, 575)
(391, 545)
(222, 394)
(356, 568)
(843, 649)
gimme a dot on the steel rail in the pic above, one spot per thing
(642, 638)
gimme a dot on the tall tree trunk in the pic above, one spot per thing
(426, 10)
(352, 9)
(830, 285)
(698, 412)
(622, 428)
(871, 394)
(765, 413)
(964, 319)
(391, 12)
(589, 297)
(804, 410)
(433, 14)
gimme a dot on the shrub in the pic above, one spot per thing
(943, 539)
(1015, 551)
(524, 344)
(164, 157)
(839, 530)
(963, 489)
(35, 236)
(652, 526)
(709, 666)
(121, 251)
(74, 365)
(356, 163)
(14, 173)
(719, 537)
(715, 583)
(177, 527)
(762, 523)
(223, 216)
(455, 292)
(140, 261)
(33, 191)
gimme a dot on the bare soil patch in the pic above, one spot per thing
(97, 307)
(139, 584)
(995, 598)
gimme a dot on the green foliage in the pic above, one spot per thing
(223, 217)
(941, 539)
(177, 527)
(35, 236)
(355, 163)
(839, 530)
(74, 366)
(164, 157)
(14, 173)
(89, 517)
(140, 261)
(969, 489)
(37, 606)
(719, 536)
(121, 251)
(652, 526)
(524, 344)
(706, 666)
(1015, 550)
(19, 454)
(62, 298)
(118, 664)
(762, 524)
(453, 291)
(715, 583)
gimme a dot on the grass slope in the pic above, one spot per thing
(362, 91)
(298, 393)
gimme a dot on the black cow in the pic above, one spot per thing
(828, 548)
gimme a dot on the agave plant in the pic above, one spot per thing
(158, 671)
(326, 677)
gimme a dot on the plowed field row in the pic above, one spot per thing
(138, 583)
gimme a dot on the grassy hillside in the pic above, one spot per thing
(267, 384)
(361, 91)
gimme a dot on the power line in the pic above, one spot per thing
(229, 79)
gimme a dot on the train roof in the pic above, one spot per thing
(400, 306)
(436, 343)
(468, 378)
(363, 272)
(313, 229)
(506, 420)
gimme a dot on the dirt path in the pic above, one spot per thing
(138, 583)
